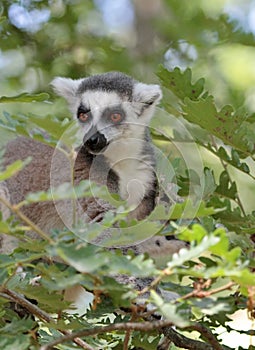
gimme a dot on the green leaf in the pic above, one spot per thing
(180, 83)
(169, 311)
(50, 301)
(50, 129)
(83, 259)
(17, 341)
(209, 183)
(211, 307)
(226, 124)
(14, 168)
(194, 234)
(185, 255)
(68, 191)
(2, 19)
(233, 219)
(185, 210)
(25, 97)
(226, 188)
(17, 326)
(233, 159)
(4, 227)
(63, 191)
(145, 341)
(222, 247)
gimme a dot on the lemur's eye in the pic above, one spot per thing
(83, 115)
(116, 117)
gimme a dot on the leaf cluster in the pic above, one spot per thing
(185, 300)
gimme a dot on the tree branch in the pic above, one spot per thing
(164, 327)
(206, 333)
(33, 309)
(125, 326)
(183, 342)
(198, 293)
(36, 311)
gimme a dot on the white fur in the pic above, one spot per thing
(134, 171)
(126, 144)
(124, 152)
(146, 93)
(66, 88)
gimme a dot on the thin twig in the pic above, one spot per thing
(166, 272)
(128, 333)
(25, 219)
(72, 157)
(203, 294)
(36, 311)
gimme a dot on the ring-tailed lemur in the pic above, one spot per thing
(113, 112)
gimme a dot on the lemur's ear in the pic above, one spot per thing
(148, 94)
(66, 88)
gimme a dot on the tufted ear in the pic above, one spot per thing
(66, 88)
(148, 94)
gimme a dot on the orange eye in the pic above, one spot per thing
(83, 117)
(116, 117)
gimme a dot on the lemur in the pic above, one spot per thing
(113, 112)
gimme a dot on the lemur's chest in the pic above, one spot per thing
(131, 177)
(134, 171)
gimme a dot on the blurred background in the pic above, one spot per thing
(75, 38)
(42, 39)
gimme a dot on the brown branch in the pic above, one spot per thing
(184, 342)
(125, 326)
(206, 333)
(36, 311)
(198, 293)
(33, 309)
(163, 325)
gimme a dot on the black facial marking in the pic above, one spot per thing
(109, 111)
(170, 238)
(117, 82)
(85, 110)
(157, 242)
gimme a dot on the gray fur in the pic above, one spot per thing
(117, 82)
(127, 156)
(129, 153)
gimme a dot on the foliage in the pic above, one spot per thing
(197, 289)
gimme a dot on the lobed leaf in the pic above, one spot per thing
(180, 83)
(25, 97)
(226, 124)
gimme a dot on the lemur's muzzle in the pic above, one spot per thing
(96, 143)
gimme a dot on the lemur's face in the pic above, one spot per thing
(109, 107)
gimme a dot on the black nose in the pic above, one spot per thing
(96, 143)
